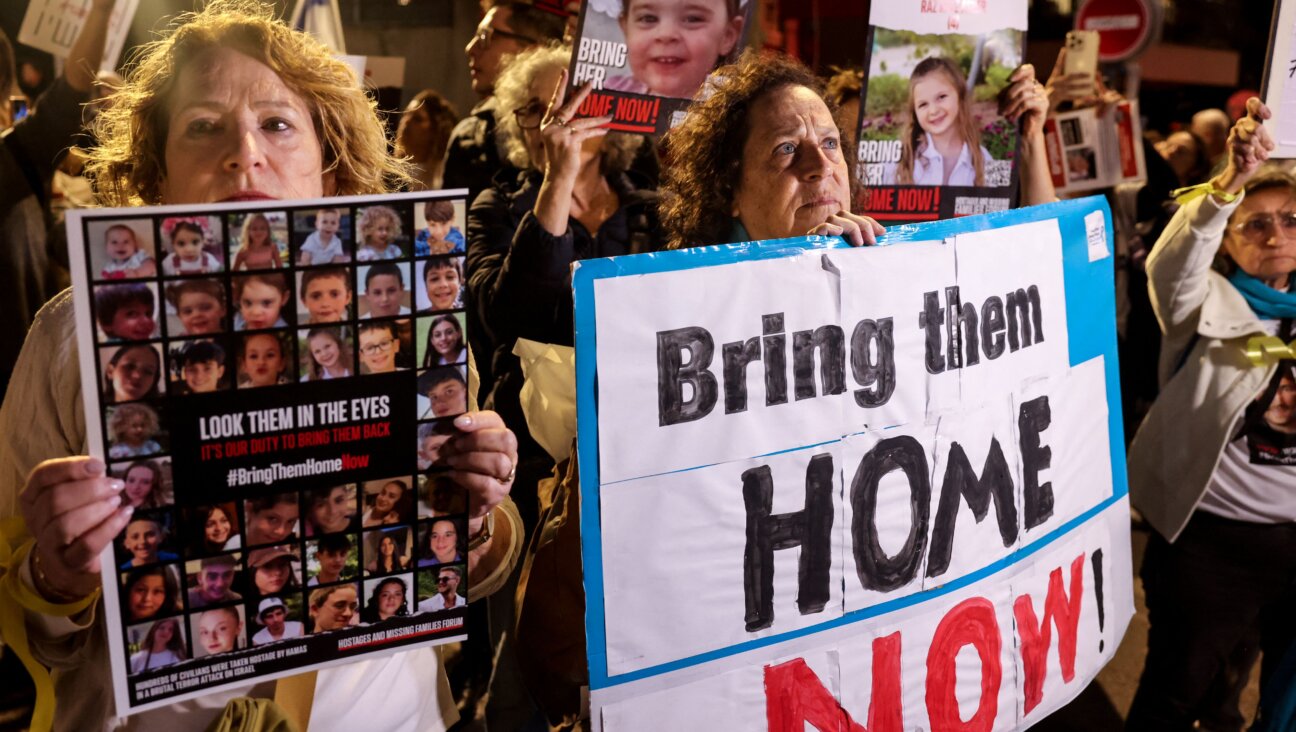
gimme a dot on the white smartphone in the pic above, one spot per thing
(1082, 52)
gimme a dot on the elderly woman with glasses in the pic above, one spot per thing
(1213, 467)
(574, 199)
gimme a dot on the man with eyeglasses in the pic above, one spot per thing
(447, 592)
(473, 159)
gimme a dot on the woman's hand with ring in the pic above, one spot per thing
(482, 458)
(74, 510)
(1025, 99)
(857, 230)
(564, 135)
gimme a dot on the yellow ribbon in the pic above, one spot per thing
(1184, 195)
(1262, 349)
(14, 598)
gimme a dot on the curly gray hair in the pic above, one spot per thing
(513, 91)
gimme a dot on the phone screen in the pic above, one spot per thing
(17, 108)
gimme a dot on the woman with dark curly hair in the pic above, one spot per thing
(760, 158)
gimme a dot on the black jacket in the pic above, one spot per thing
(519, 275)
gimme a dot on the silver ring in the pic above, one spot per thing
(560, 121)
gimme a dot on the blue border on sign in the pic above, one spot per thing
(1091, 318)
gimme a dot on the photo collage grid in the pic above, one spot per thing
(186, 305)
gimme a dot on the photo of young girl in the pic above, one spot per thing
(150, 592)
(264, 359)
(147, 483)
(941, 143)
(127, 251)
(326, 353)
(133, 430)
(441, 340)
(195, 307)
(259, 243)
(930, 118)
(160, 644)
(191, 245)
(131, 372)
(378, 235)
(260, 300)
(210, 528)
(672, 45)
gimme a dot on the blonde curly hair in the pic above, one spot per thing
(129, 166)
(512, 91)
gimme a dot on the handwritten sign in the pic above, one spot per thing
(53, 26)
(824, 484)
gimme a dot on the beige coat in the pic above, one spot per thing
(1201, 405)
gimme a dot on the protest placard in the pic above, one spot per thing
(642, 65)
(53, 26)
(834, 486)
(272, 382)
(1088, 151)
(1278, 88)
(932, 140)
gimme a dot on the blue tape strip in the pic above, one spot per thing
(1091, 318)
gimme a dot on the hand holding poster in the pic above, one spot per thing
(867, 487)
(272, 383)
(645, 59)
(933, 140)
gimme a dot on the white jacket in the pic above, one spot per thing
(1201, 404)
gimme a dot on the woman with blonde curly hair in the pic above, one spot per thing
(574, 199)
(230, 105)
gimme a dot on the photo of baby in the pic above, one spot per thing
(121, 250)
(195, 307)
(126, 312)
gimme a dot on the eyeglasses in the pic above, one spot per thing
(1260, 227)
(489, 33)
(374, 349)
(529, 117)
(444, 580)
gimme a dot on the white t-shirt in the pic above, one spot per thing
(437, 602)
(321, 254)
(292, 629)
(1255, 479)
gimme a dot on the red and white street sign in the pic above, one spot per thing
(1127, 27)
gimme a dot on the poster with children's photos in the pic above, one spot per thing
(645, 60)
(272, 383)
(932, 139)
